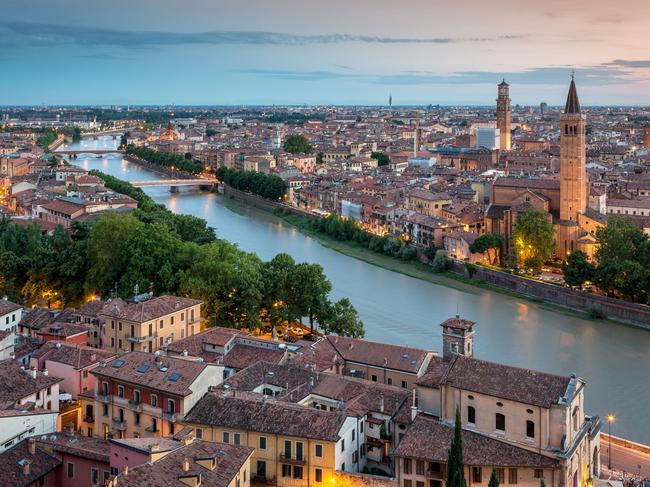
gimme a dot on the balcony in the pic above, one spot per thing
(143, 339)
(134, 405)
(292, 461)
(169, 416)
(101, 397)
(118, 424)
(89, 419)
(152, 429)
(435, 474)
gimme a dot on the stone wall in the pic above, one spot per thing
(260, 202)
(347, 479)
(615, 309)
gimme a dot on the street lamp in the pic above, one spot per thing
(610, 419)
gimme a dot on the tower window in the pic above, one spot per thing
(500, 422)
(471, 415)
(530, 429)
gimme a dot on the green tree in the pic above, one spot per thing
(533, 239)
(297, 144)
(382, 158)
(455, 460)
(319, 158)
(440, 262)
(494, 480)
(343, 320)
(493, 245)
(309, 290)
(577, 269)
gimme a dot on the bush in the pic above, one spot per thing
(471, 269)
(440, 262)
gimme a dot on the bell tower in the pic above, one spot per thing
(503, 115)
(573, 161)
(457, 337)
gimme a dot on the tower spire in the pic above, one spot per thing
(572, 102)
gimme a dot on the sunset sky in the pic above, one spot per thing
(322, 52)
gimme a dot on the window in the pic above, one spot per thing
(199, 433)
(390, 381)
(286, 470)
(262, 442)
(318, 475)
(171, 321)
(373, 378)
(299, 446)
(419, 483)
(408, 468)
(236, 438)
(297, 472)
(500, 475)
(419, 467)
(70, 470)
(261, 469)
(287, 449)
(136, 396)
(477, 474)
(471, 415)
(104, 409)
(154, 400)
(161, 324)
(136, 418)
(512, 475)
(171, 406)
(343, 467)
(120, 391)
(353, 434)
(319, 451)
(530, 429)
(500, 422)
(404, 385)
(343, 444)
(408, 483)
(226, 437)
(539, 473)
(94, 476)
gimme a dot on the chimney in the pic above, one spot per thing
(381, 402)
(32, 372)
(46, 372)
(414, 408)
(311, 381)
(31, 446)
(26, 463)
(93, 357)
(186, 464)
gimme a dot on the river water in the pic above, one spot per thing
(615, 359)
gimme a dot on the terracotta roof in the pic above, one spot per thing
(458, 323)
(428, 439)
(93, 448)
(377, 354)
(168, 471)
(7, 307)
(241, 356)
(18, 383)
(159, 373)
(73, 355)
(61, 206)
(150, 309)
(528, 183)
(253, 412)
(12, 466)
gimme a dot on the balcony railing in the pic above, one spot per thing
(292, 461)
(119, 424)
(435, 474)
(152, 429)
(135, 406)
(143, 339)
(169, 416)
(101, 397)
(89, 419)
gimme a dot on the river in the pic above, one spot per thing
(613, 358)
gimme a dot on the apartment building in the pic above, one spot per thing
(10, 315)
(149, 325)
(293, 445)
(145, 395)
(426, 202)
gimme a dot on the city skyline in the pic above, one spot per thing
(234, 53)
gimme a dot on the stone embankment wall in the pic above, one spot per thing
(347, 479)
(260, 202)
(616, 309)
(176, 174)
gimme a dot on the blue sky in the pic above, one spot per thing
(309, 52)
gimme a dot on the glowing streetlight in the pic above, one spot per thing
(610, 419)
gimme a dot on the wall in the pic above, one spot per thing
(345, 479)
(615, 309)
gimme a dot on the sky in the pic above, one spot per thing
(356, 52)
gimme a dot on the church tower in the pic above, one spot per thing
(457, 337)
(503, 115)
(574, 192)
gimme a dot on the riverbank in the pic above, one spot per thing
(552, 297)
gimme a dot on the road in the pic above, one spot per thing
(625, 459)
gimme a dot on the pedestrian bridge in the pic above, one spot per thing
(174, 182)
(89, 151)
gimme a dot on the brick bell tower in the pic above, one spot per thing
(503, 115)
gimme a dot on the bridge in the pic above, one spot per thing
(174, 183)
(89, 151)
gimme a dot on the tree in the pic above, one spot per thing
(491, 243)
(382, 158)
(440, 262)
(494, 480)
(319, 158)
(533, 239)
(455, 461)
(577, 269)
(309, 290)
(297, 144)
(343, 320)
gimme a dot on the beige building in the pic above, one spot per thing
(427, 203)
(149, 325)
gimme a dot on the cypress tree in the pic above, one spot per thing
(494, 481)
(455, 461)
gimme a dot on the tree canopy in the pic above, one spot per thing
(382, 158)
(577, 269)
(297, 144)
(266, 185)
(493, 245)
(533, 239)
(166, 159)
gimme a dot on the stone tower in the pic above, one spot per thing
(503, 114)
(574, 192)
(646, 137)
(457, 337)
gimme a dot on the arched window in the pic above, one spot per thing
(530, 429)
(471, 415)
(500, 422)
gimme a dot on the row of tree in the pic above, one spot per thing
(166, 159)
(347, 229)
(49, 136)
(151, 248)
(266, 185)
